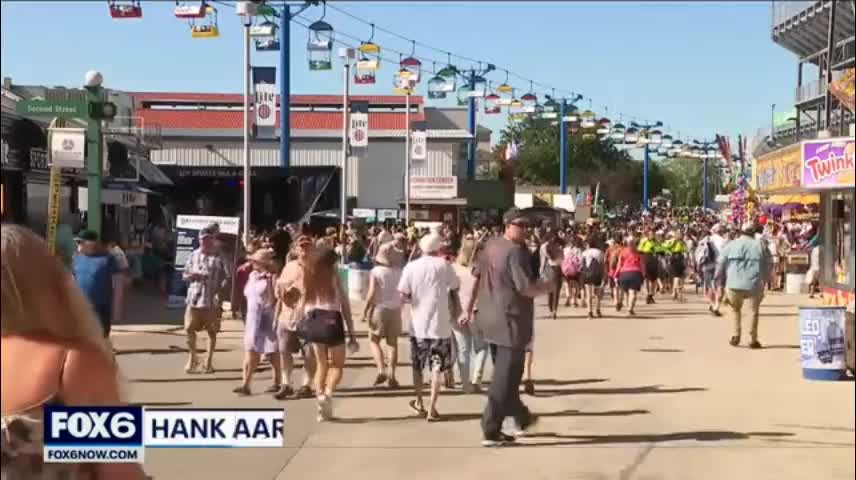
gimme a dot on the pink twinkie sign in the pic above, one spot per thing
(828, 163)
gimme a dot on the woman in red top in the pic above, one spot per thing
(630, 274)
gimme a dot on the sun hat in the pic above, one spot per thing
(431, 243)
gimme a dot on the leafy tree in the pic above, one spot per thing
(684, 177)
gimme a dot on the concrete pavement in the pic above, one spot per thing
(658, 397)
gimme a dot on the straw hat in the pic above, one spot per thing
(263, 256)
(431, 243)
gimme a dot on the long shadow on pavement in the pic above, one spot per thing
(699, 436)
(463, 417)
(369, 392)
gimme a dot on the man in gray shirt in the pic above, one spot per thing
(504, 293)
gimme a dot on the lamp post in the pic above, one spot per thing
(471, 77)
(346, 54)
(705, 151)
(648, 137)
(564, 106)
(95, 149)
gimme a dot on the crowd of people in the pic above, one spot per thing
(469, 290)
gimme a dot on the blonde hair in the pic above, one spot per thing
(38, 295)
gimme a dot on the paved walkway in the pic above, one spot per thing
(658, 397)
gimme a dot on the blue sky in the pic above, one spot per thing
(700, 67)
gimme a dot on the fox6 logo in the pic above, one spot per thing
(93, 425)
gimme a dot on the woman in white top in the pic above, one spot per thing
(471, 349)
(383, 312)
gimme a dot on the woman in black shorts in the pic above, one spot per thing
(630, 275)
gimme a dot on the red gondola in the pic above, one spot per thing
(130, 9)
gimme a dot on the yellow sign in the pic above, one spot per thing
(779, 170)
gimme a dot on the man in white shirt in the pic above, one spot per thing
(431, 287)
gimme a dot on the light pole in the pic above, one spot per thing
(246, 13)
(95, 149)
(407, 155)
(346, 54)
(648, 136)
(705, 151)
(472, 77)
(566, 107)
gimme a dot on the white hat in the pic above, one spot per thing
(431, 243)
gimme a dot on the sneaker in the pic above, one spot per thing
(717, 313)
(735, 341)
(325, 408)
(497, 440)
(755, 345)
(518, 430)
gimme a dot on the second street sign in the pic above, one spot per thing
(68, 109)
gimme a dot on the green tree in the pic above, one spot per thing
(684, 177)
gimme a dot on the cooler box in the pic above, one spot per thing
(822, 343)
(358, 280)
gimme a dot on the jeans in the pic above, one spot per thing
(471, 354)
(503, 397)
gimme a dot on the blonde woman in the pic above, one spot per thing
(471, 349)
(46, 320)
(383, 311)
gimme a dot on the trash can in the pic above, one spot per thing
(794, 283)
(822, 343)
(358, 280)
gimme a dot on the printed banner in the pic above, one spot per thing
(822, 339)
(828, 163)
(68, 147)
(265, 106)
(418, 146)
(359, 129)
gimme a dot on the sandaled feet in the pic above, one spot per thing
(284, 392)
(393, 383)
(734, 341)
(380, 379)
(208, 368)
(241, 391)
(191, 366)
(272, 389)
(417, 408)
(434, 416)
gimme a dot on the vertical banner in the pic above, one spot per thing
(359, 130)
(419, 145)
(187, 240)
(264, 88)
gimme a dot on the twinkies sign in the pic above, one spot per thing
(828, 163)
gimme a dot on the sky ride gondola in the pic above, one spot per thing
(208, 27)
(450, 74)
(125, 10)
(319, 46)
(188, 10)
(437, 87)
(412, 65)
(491, 104)
(505, 91)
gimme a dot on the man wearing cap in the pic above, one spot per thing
(430, 285)
(745, 262)
(502, 311)
(207, 275)
(98, 275)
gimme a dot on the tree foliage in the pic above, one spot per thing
(684, 177)
(590, 161)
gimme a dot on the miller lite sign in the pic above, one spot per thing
(359, 128)
(265, 105)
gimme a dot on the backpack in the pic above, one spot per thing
(708, 257)
(571, 266)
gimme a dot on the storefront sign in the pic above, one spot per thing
(186, 241)
(386, 213)
(822, 341)
(364, 213)
(359, 128)
(778, 170)
(433, 187)
(828, 163)
(67, 147)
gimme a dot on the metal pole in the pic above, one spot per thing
(407, 160)
(645, 165)
(830, 50)
(246, 153)
(284, 86)
(704, 201)
(471, 126)
(345, 126)
(563, 151)
(94, 165)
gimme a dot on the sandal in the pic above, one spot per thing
(417, 408)
(272, 389)
(434, 416)
(304, 392)
(393, 383)
(241, 391)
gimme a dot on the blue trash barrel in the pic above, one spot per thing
(822, 342)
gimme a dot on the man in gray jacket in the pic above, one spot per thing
(503, 293)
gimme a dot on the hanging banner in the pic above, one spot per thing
(187, 240)
(828, 163)
(265, 105)
(68, 147)
(359, 130)
(418, 145)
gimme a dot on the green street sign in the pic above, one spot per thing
(49, 108)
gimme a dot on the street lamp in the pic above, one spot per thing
(567, 114)
(346, 54)
(705, 151)
(246, 10)
(654, 137)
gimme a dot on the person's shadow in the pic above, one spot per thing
(699, 436)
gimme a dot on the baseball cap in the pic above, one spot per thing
(516, 217)
(87, 236)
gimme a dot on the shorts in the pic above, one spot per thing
(630, 281)
(594, 280)
(288, 341)
(385, 323)
(677, 266)
(664, 268)
(198, 319)
(707, 277)
(435, 354)
(324, 327)
(652, 267)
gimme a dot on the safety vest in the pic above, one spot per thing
(646, 245)
(674, 246)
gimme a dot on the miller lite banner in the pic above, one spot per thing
(359, 129)
(264, 79)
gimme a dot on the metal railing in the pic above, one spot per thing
(815, 89)
(782, 11)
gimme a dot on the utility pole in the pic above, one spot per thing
(246, 153)
(346, 54)
(472, 77)
(407, 157)
(563, 150)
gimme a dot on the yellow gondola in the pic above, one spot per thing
(208, 27)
